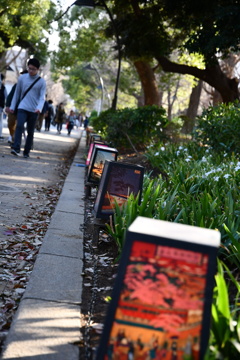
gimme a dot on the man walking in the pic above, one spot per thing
(29, 99)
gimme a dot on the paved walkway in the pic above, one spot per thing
(47, 323)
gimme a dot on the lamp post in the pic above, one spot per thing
(92, 67)
(92, 4)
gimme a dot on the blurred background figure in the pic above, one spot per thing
(71, 121)
(80, 119)
(3, 98)
(41, 116)
(60, 117)
(50, 115)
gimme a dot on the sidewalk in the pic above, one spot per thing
(47, 323)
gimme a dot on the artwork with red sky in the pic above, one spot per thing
(160, 308)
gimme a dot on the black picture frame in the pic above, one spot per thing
(99, 156)
(91, 148)
(118, 181)
(95, 137)
(162, 265)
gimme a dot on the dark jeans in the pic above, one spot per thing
(59, 126)
(22, 117)
(47, 122)
(70, 127)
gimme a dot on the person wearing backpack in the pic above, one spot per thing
(28, 101)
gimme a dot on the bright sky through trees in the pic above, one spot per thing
(54, 38)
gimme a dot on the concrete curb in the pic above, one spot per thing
(47, 323)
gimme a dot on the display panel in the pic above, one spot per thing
(118, 181)
(95, 137)
(161, 303)
(98, 158)
(91, 147)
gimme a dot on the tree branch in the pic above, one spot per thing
(127, 136)
(169, 66)
(212, 74)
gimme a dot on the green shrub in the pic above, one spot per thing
(219, 127)
(206, 188)
(225, 335)
(201, 188)
(132, 128)
(126, 214)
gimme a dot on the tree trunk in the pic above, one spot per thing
(194, 101)
(172, 98)
(213, 75)
(227, 66)
(191, 114)
(148, 81)
(216, 99)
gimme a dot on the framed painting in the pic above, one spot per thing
(161, 301)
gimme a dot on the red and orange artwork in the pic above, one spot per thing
(98, 165)
(163, 298)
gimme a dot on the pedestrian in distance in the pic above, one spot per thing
(80, 120)
(28, 101)
(12, 117)
(86, 128)
(50, 115)
(71, 121)
(3, 97)
(86, 122)
(60, 117)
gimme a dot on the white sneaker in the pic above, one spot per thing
(14, 152)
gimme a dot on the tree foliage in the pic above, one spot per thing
(218, 127)
(202, 27)
(80, 38)
(153, 32)
(83, 41)
(132, 128)
(155, 28)
(26, 24)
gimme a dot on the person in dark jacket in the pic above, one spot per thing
(60, 114)
(3, 97)
(50, 115)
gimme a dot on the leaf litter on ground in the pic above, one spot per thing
(19, 248)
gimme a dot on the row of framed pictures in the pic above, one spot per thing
(161, 302)
(115, 180)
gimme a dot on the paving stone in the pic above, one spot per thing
(44, 331)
